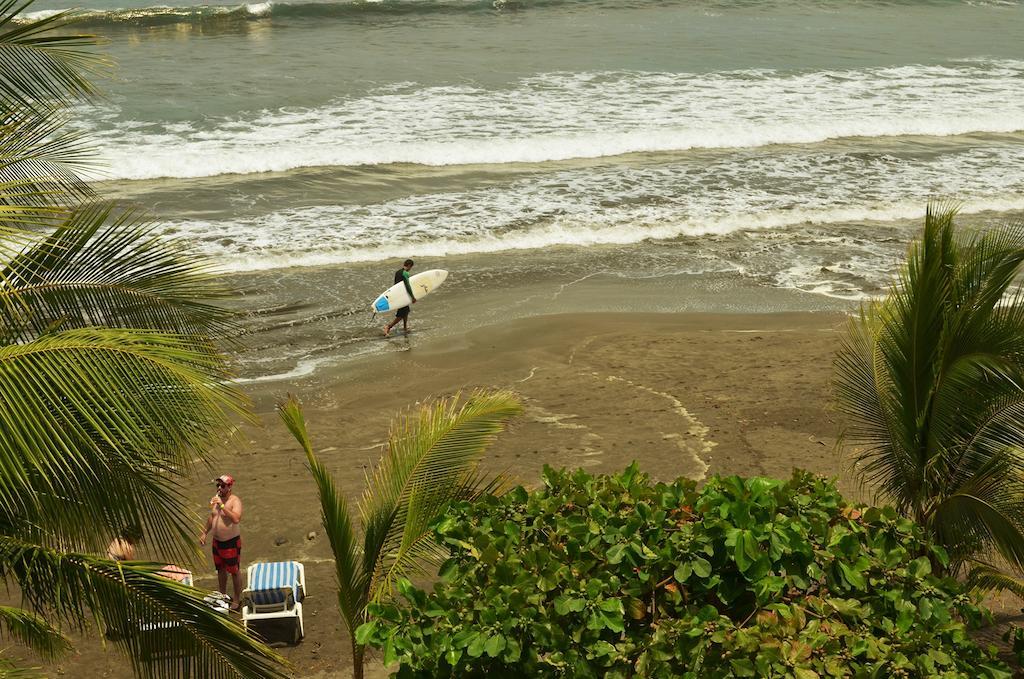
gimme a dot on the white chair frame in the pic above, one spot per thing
(252, 611)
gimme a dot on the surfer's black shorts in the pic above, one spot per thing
(402, 313)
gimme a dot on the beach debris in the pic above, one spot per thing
(278, 541)
(311, 535)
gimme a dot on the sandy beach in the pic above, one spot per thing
(684, 394)
(655, 219)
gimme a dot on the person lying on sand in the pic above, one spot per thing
(122, 548)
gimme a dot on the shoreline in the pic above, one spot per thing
(312, 325)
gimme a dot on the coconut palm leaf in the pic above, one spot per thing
(972, 425)
(9, 670)
(33, 631)
(98, 427)
(165, 628)
(431, 455)
(23, 214)
(988, 267)
(38, 67)
(17, 223)
(931, 381)
(430, 462)
(102, 267)
(872, 417)
(41, 162)
(998, 432)
(419, 554)
(986, 511)
(352, 578)
(985, 577)
(908, 340)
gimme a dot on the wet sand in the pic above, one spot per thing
(684, 394)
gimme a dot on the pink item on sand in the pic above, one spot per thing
(176, 573)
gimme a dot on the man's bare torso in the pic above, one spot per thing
(222, 527)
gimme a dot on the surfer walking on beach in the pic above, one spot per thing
(402, 276)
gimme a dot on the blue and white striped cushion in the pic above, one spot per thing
(267, 579)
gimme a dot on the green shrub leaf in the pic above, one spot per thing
(600, 577)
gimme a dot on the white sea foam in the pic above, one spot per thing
(318, 237)
(259, 9)
(303, 368)
(42, 14)
(137, 14)
(561, 116)
(622, 205)
(569, 233)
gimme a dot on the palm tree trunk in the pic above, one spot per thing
(357, 660)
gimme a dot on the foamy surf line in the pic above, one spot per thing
(558, 117)
(157, 15)
(572, 234)
(303, 368)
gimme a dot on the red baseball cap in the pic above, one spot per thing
(225, 479)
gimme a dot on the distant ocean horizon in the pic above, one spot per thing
(792, 144)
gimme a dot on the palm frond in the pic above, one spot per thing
(912, 338)
(1008, 319)
(431, 456)
(88, 414)
(9, 669)
(987, 268)
(352, 579)
(107, 268)
(966, 410)
(419, 553)
(431, 460)
(39, 66)
(999, 432)
(931, 381)
(984, 577)
(988, 510)
(873, 418)
(19, 223)
(23, 213)
(33, 631)
(41, 162)
(166, 629)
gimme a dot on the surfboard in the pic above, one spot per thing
(397, 296)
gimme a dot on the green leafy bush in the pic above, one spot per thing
(1015, 638)
(611, 576)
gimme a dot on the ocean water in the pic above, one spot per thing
(661, 155)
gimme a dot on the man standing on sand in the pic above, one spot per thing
(222, 524)
(402, 276)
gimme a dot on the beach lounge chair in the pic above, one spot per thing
(215, 600)
(275, 590)
(172, 572)
(166, 632)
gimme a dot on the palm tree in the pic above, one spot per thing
(431, 460)
(931, 380)
(42, 73)
(112, 389)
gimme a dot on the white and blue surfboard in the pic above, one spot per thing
(397, 296)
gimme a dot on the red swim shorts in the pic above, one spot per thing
(226, 554)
